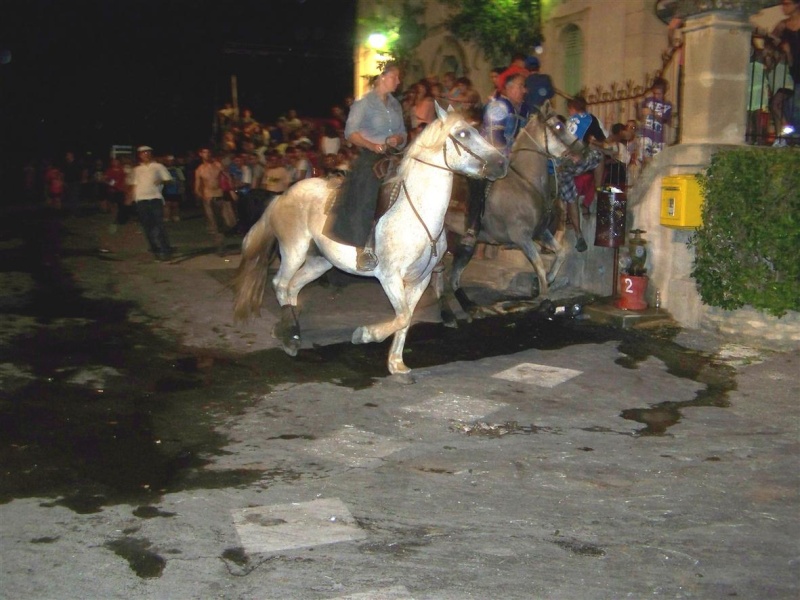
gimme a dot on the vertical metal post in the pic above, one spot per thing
(235, 96)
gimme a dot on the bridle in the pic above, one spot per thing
(459, 147)
(545, 150)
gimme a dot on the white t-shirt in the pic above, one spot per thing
(330, 145)
(148, 180)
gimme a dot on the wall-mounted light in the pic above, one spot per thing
(377, 41)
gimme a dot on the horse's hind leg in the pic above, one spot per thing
(287, 330)
(288, 283)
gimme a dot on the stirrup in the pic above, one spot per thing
(366, 260)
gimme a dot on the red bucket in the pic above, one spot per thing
(631, 292)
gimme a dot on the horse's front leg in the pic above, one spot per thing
(532, 254)
(377, 332)
(404, 299)
(561, 254)
(461, 258)
(395, 362)
(438, 283)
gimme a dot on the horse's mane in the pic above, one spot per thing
(524, 141)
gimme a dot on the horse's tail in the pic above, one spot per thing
(258, 250)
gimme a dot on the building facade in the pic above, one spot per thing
(610, 50)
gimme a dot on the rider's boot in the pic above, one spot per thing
(366, 259)
(475, 206)
(572, 209)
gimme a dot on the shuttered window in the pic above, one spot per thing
(573, 59)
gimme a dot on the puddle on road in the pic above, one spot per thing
(143, 561)
(141, 423)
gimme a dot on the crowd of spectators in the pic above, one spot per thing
(258, 159)
(255, 155)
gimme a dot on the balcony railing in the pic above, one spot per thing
(621, 102)
(772, 114)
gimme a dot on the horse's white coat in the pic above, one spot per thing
(406, 255)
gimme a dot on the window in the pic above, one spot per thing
(573, 59)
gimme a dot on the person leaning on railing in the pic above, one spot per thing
(785, 104)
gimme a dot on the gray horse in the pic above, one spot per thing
(520, 207)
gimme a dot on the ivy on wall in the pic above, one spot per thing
(404, 30)
(500, 28)
(748, 250)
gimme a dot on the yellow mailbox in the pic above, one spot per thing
(681, 202)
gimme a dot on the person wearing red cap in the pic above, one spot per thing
(517, 66)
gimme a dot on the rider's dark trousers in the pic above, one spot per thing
(476, 202)
(351, 218)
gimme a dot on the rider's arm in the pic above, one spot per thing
(494, 125)
(359, 140)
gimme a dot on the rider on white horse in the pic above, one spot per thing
(375, 125)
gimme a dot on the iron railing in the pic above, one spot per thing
(771, 113)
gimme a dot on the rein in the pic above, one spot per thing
(541, 150)
(431, 239)
(458, 146)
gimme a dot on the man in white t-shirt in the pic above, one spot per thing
(148, 180)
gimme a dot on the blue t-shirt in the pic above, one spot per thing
(578, 124)
(501, 123)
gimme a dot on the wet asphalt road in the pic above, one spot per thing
(153, 449)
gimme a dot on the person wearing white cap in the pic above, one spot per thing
(148, 180)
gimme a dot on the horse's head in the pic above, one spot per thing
(549, 134)
(466, 151)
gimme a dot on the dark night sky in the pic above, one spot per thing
(89, 73)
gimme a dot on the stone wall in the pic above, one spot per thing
(670, 260)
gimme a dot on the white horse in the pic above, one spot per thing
(409, 238)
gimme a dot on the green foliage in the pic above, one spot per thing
(404, 31)
(500, 28)
(748, 250)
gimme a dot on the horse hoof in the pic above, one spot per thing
(477, 312)
(399, 369)
(291, 347)
(449, 320)
(289, 337)
(361, 336)
(404, 378)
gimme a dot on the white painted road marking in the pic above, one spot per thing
(264, 529)
(541, 375)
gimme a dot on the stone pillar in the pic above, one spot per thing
(715, 86)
